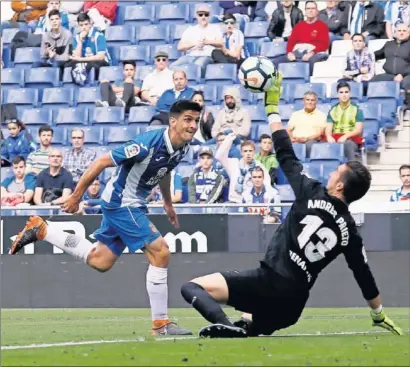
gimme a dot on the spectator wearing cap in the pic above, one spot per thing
(233, 47)
(158, 81)
(198, 41)
(122, 93)
(205, 184)
(266, 157)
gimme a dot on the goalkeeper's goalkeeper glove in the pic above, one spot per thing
(272, 96)
(380, 319)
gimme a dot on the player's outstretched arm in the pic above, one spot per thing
(380, 319)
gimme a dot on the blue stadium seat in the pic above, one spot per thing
(327, 169)
(175, 13)
(264, 129)
(86, 97)
(210, 92)
(139, 53)
(314, 170)
(22, 97)
(120, 12)
(327, 151)
(300, 151)
(58, 97)
(42, 77)
(143, 71)
(221, 74)
(192, 71)
(141, 114)
(214, 110)
(27, 57)
(120, 35)
(189, 157)
(59, 135)
(256, 30)
(185, 170)
(257, 113)
(171, 50)
(71, 116)
(119, 134)
(273, 49)
(300, 89)
(12, 78)
(324, 107)
(295, 72)
(154, 34)
(108, 115)
(115, 54)
(8, 34)
(254, 133)
(5, 133)
(386, 93)
(371, 135)
(286, 193)
(281, 178)
(36, 116)
(286, 111)
(138, 15)
(100, 150)
(93, 136)
(6, 57)
(111, 73)
(371, 111)
(252, 47)
(247, 97)
(176, 32)
(356, 92)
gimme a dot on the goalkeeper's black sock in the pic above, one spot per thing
(202, 301)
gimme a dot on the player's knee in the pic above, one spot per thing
(158, 253)
(99, 262)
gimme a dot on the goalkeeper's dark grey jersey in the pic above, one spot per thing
(317, 229)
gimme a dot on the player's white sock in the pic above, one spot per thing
(70, 243)
(157, 287)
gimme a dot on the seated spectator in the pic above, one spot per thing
(335, 19)
(309, 40)
(170, 96)
(55, 43)
(259, 193)
(89, 48)
(102, 13)
(264, 10)
(122, 93)
(38, 160)
(92, 198)
(233, 117)
(232, 51)
(18, 188)
(205, 184)
(366, 18)
(206, 119)
(399, 13)
(18, 143)
(284, 19)
(397, 65)
(158, 81)
(44, 24)
(403, 193)
(55, 183)
(77, 160)
(266, 157)
(307, 126)
(73, 9)
(240, 9)
(28, 12)
(176, 190)
(239, 170)
(198, 41)
(345, 123)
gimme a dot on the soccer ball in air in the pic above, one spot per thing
(254, 74)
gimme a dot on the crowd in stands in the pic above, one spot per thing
(233, 158)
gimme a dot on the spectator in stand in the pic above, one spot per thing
(232, 51)
(366, 18)
(206, 119)
(55, 43)
(239, 170)
(170, 96)
(198, 41)
(55, 183)
(397, 65)
(44, 24)
(309, 40)
(345, 123)
(122, 93)
(233, 117)
(264, 10)
(399, 13)
(284, 19)
(77, 160)
(18, 188)
(266, 157)
(89, 47)
(102, 13)
(18, 143)
(403, 192)
(158, 81)
(28, 12)
(176, 190)
(38, 160)
(308, 125)
(335, 19)
(233, 151)
(73, 9)
(92, 198)
(205, 184)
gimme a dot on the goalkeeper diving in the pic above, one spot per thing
(318, 228)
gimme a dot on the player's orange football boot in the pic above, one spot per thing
(166, 327)
(35, 230)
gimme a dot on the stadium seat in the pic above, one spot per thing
(6, 57)
(252, 47)
(175, 13)
(295, 72)
(273, 49)
(139, 53)
(87, 96)
(185, 170)
(247, 97)
(340, 48)
(120, 35)
(138, 15)
(154, 34)
(100, 151)
(108, 115)
(189, 157)
(5, 133)
(286, 111)
(257, 113)
(141, 114)
(176, 32)
(6, 172)
(143, 71)
(119, 134)
(210, 92)
(254, 133)
(58, 97)
(93, 136)
(171, 50)
(221, 74)
(115, 54)
(371, 135)
(264, 129)
(327, 169)
(371, 111)
(59, 135)
(327, 151)
(12, 78)
(111, 73)
(377, 44)
(281, 178)
(192, 71)
(68, 79)
(36, 116)
(286, 193)
(356, 92)
(22, 97)
(300, 151)
(324, 107)
(8, 34)
(27, 57)
(42, 78)
(214, 110)
(71, 116)
(314, 170)
(256, 30)
(299, 91)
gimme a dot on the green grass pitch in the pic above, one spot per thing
(120, 337)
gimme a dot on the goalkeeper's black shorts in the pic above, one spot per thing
(272, 301)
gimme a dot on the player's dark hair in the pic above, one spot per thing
(404, 166)
(54, 12)
(264, 136)
(359, 35)
(183, 105)
(17, 122)
(17, 159)
(357, 180)
(44, 129)
(342, 85)
(83, 17)
(129, 62)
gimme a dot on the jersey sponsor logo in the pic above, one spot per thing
(162, 172)
(132, 150)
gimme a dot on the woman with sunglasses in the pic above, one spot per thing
(206, 119)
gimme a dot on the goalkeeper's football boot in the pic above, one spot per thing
(381, 320)
(243, 323)
(166, 327)
(222, 331)
(35, 230)
(272, 95)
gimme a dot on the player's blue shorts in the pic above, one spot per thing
(125, 227)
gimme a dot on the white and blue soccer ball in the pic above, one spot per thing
(255, 74)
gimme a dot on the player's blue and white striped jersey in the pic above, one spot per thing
(142, 162)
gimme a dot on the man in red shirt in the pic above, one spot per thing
(309, 40)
